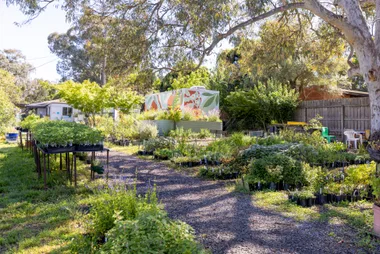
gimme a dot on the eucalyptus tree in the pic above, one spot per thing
(97, 47)
(178, 28)
(289, 52)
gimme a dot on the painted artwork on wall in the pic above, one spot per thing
(205, 100)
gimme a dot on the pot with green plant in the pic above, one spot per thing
(305, 198)
(97, 167)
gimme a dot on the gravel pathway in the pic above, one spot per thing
(228, 222)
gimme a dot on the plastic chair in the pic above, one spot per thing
(325, 134)
(350, 137)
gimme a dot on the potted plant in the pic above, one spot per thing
(97, 167)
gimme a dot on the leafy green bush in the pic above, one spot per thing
(264, 103)
(359, 176)
(31, 120)
(181, 134)
(147, 131)
(275, 168)
(159, 143)
(204, 133)
(163, 153)
(150, 232)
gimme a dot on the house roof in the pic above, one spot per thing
(355, 93)
(44, 104)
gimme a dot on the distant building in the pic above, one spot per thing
(55, 110)
(314, 93)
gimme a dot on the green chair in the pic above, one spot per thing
(325, 134)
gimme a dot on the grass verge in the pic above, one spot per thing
(130, 150)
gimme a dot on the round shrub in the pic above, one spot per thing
(147, 131)
(275, 168)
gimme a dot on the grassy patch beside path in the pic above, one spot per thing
(34, 220)
(124, 149)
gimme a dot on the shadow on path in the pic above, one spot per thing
(227, 222)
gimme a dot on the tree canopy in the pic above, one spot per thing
(289, 52)
(174, 30)
(92, 99)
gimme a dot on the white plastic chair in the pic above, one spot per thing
(350, 137)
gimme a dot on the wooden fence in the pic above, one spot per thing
(338, 114)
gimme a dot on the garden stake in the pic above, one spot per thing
(48, 163)
(22, 147)
(75, 169)
(45, 171)
(60, 161)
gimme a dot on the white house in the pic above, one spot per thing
(55, 110)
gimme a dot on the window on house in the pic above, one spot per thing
(67, 111)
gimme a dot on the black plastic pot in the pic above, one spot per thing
(329, 198)
(337, 198)
(303, 202)
(66, 149)
(91, 148)
(310, 202)
(320, 199)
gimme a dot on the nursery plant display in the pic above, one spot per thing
(62, 136)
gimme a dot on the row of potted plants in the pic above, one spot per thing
(62, 136)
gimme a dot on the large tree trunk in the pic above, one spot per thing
(374, 97)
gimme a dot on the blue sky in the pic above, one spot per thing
(31, 38)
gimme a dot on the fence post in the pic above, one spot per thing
(305, 116)
(342, 122)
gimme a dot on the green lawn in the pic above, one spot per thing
(124, 149)
(34, 220)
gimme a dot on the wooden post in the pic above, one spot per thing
(39, 163)
(60, 161)
(48, 163)
(68, 167)
(342, 121)
(22, 147)
(305, 115)
(75, 169)
(45, 171)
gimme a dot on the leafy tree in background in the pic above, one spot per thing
(7, 112)
(8, 86)
(92, 99)
(14, 62)
(199, 77)
(143, 82)
(289, 52)
(9, 94)
(98, 47)
(264, 103)
(192, 29)
(123, 100)
(88, 97)
(41, 90)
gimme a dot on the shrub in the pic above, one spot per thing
(204, 133)
(105, 125)
(159, 143)
(264, 103)
(148, 115)
(147, 131)
(359, 176)
(213, 116)
(151, 232)
(181, 134)
(276, 168)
